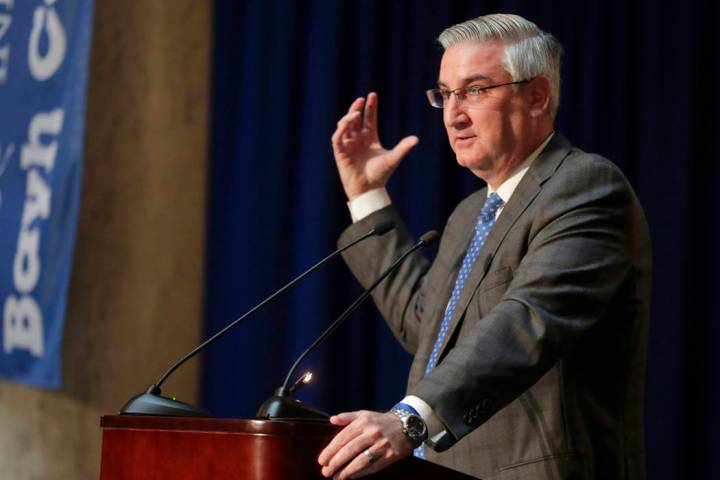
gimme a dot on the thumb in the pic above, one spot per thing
(401, 149)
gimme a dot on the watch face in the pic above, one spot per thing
(415, 426)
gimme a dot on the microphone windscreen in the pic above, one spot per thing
(383, 226)
(429, 238)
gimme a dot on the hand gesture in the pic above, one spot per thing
(369, 442)
(362, 161)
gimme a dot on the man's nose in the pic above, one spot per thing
(455, 115)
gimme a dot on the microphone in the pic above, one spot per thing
(282, 406)
(153, 403)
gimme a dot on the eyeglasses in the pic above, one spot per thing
(470, 96)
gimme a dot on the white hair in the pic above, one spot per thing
(529, 52)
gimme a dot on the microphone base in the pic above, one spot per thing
(285, 408)
(157, 405)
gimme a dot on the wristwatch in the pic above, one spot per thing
(413, 425)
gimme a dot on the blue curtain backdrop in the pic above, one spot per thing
(639, 87)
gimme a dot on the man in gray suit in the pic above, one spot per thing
(528, 329)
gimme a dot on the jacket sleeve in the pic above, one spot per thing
(399, 297)
(408, 297)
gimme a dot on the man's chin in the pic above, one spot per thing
(471, 163)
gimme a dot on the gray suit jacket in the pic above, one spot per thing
(541, 374)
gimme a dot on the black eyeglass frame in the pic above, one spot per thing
(460, 97)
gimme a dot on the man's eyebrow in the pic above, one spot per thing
(470, 79)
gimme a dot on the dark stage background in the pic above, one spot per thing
(638, 87)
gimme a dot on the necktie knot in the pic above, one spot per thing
(492, 204)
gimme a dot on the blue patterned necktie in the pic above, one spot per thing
(484, 224)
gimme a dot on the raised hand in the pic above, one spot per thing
(362, 161)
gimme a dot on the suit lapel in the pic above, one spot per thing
(541, 169)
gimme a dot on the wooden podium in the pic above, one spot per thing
(183, 448)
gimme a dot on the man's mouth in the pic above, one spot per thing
(464, 139)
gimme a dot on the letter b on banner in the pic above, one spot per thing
(23, 328)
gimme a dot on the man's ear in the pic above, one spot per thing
(538, 91)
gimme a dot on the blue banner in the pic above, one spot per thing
(44, 52)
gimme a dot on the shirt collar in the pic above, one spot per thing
(506, 189)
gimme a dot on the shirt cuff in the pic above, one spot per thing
(432, 422)
(367, 203)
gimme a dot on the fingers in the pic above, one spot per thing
(361, 115)
(371, 112)
(361, 159)
(362, 465)
(356, 111)
(352, 117)
(343, 419)
(401, 149)
(378, 433)
(357, 105)
(345, 129)
(350, 458)
(345, 435)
